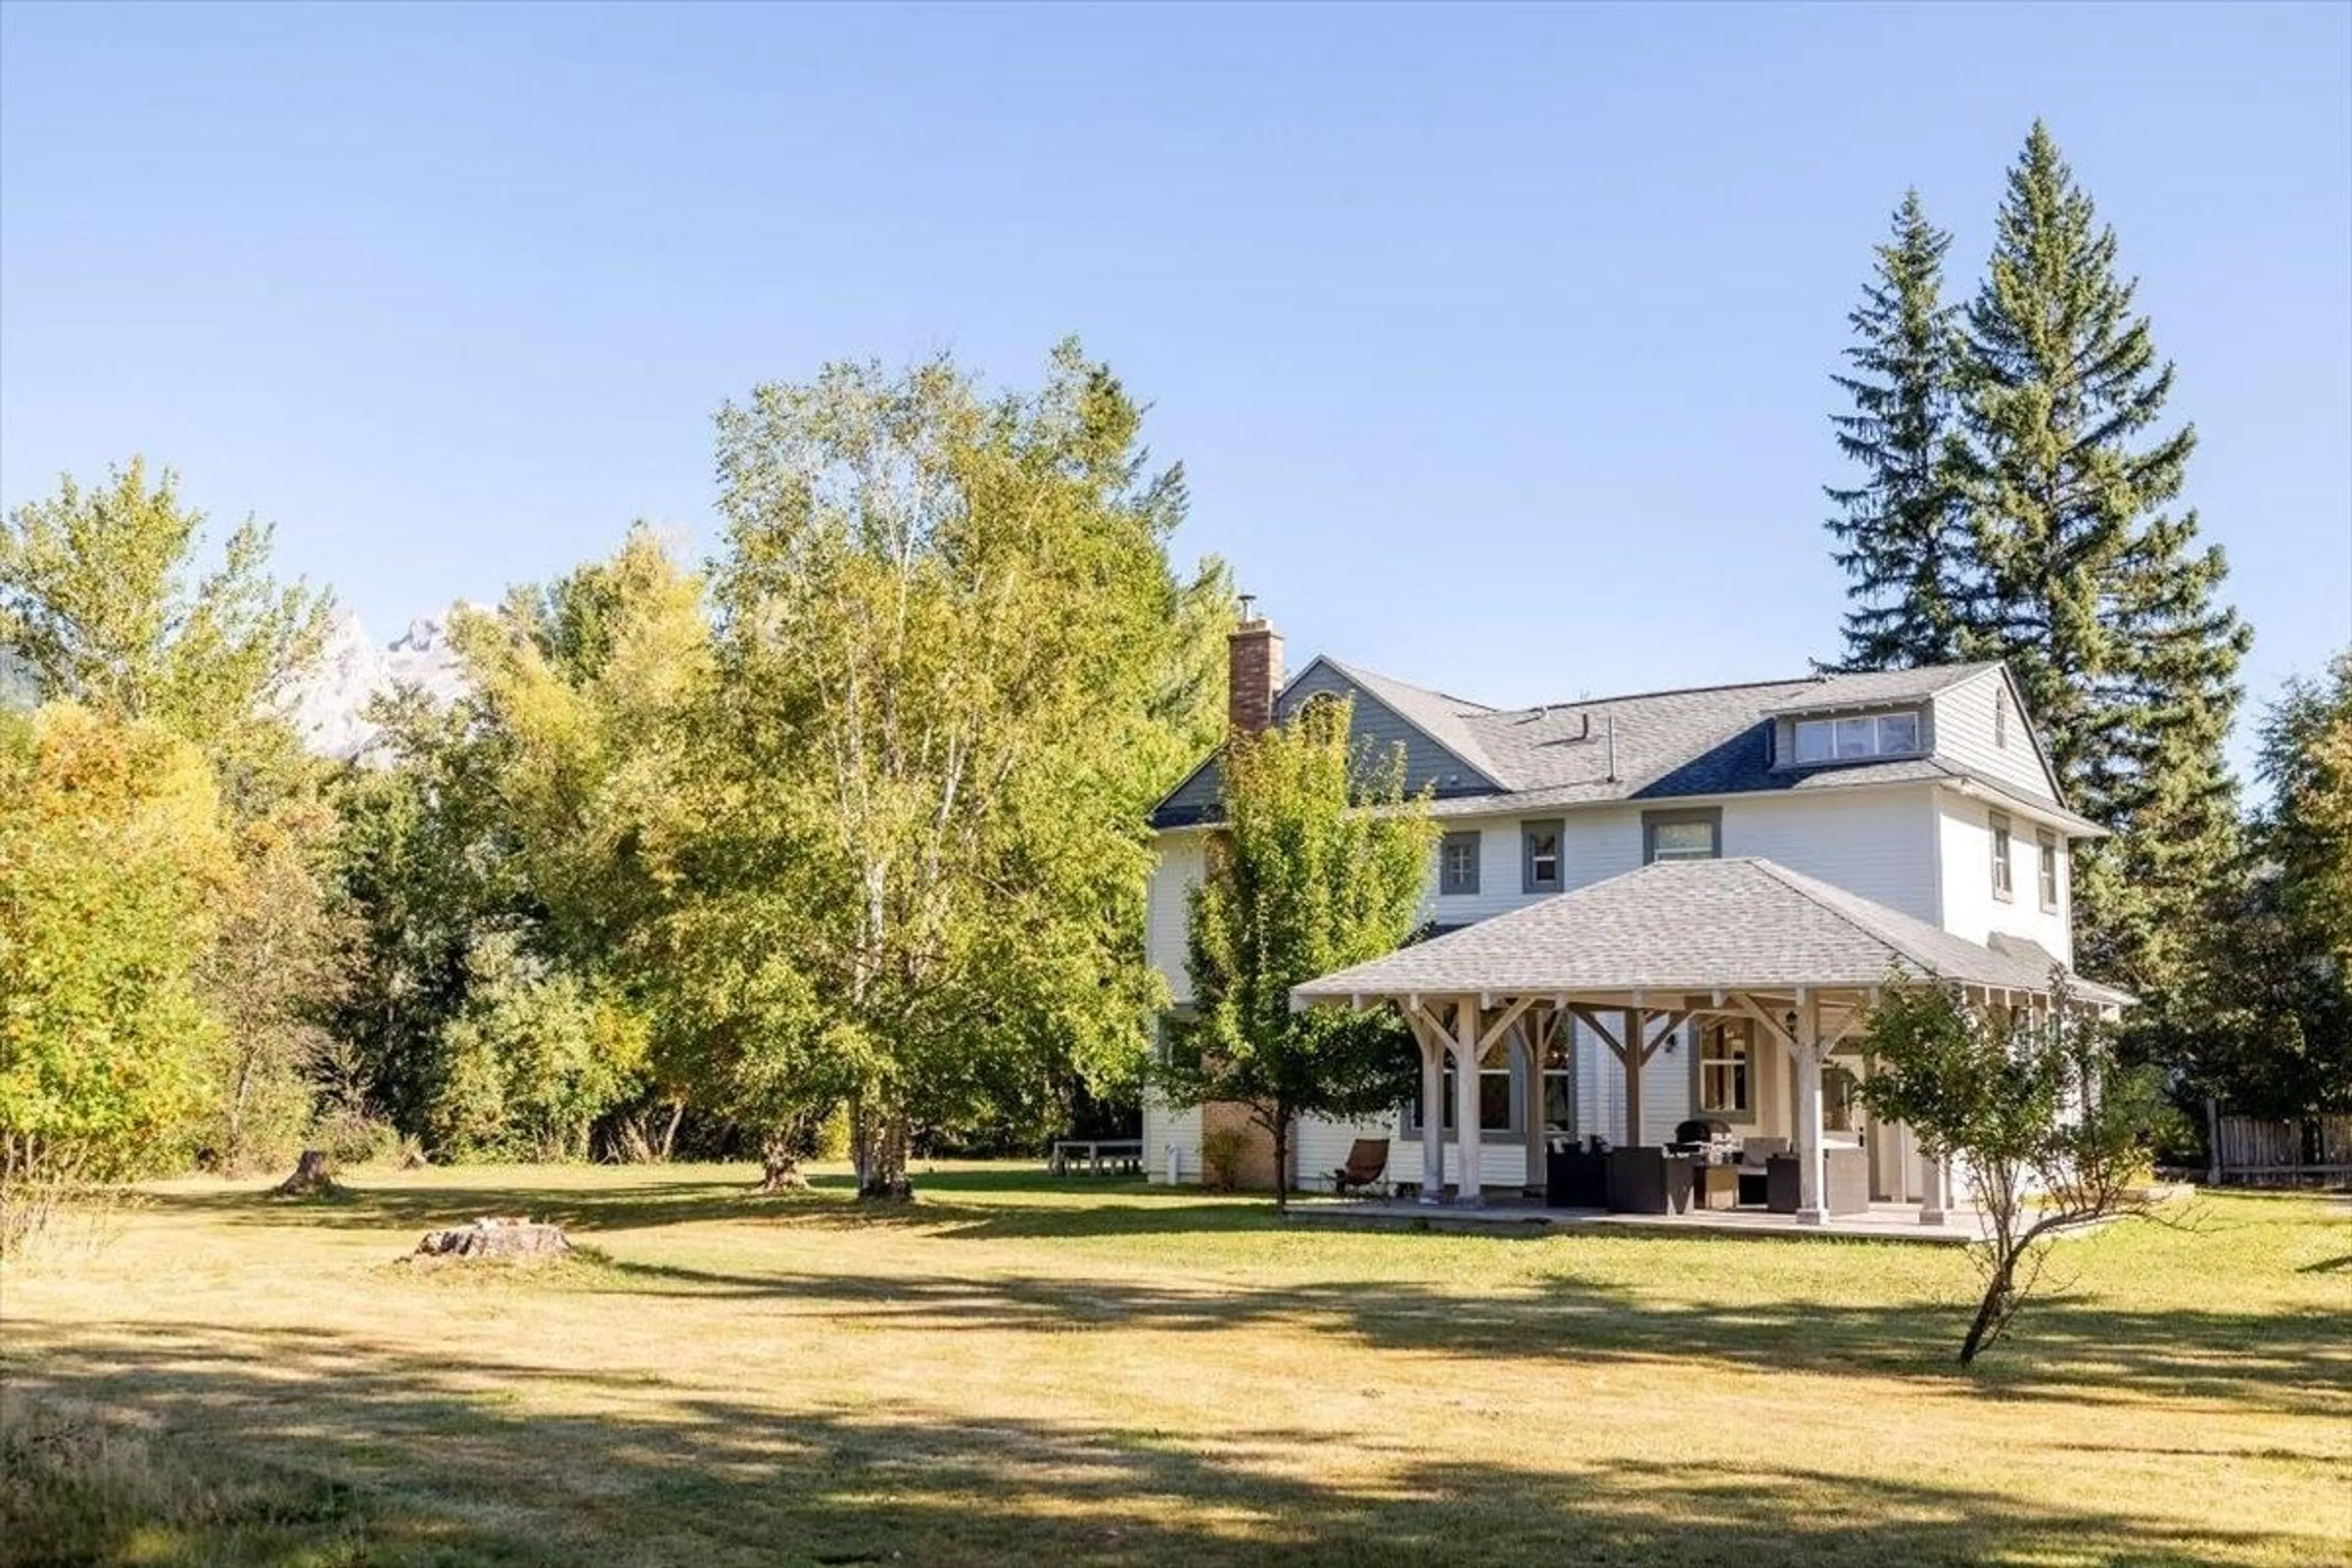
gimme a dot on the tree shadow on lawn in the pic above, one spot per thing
(2077, 1351)
(2070, 1349)
(956, 1202)
(439, 1462)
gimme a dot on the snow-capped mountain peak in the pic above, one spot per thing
(330, 707)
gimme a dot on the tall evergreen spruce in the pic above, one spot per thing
(1900, 534)
(2095, 589)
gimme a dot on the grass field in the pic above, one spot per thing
(1017, 1371)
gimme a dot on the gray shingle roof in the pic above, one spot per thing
(1709, 740)
(1872, 688)
(1705, 741)
(1443, 718)
(1669, 743)
(1691, 925)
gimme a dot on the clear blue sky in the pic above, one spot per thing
(1495, 343)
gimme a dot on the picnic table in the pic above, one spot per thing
(1091, 1154)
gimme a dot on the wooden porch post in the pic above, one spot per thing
(1635, 1058)
(1931, 1192)
(1532, 1039)
(1468, 1178)
(1811, 1170)
(1432, 1112)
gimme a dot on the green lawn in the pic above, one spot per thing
(1014, 1370)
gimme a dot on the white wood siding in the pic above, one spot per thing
(1964, 731)
(1969, 908)
(1165, 1127)
(1323, 1148)
(1164, 898)
(1920, 849)
(1879, 844)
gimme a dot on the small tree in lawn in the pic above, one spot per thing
(1320, 863)
(2051, 1129)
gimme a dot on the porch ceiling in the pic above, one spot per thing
(1694, 927)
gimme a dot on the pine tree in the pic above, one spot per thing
(1900, 537)
(2095, 590)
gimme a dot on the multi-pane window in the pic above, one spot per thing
(2002, 883)
(1725, 1055)
(2048, 844)
(1496, 1097)
(1696, 834)
(1851, 740)
(1457, 863)
(2001, 719)
(1539, 861)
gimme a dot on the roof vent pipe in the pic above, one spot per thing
(1612, 748)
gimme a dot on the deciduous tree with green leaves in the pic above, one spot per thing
(1901, 529)
(113, 867)
(1318, 862)
(2051, 1130)
(506, 876)
(2095, 588)
(105, 597)
(948, 632)
(101, 597)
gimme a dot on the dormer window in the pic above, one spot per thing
(1857, 738)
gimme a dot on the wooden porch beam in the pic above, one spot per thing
(1675, 1020)
(1763, 1015)
(1502, 1026)
(1590, 1019)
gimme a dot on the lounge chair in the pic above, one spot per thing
(1366, 1162)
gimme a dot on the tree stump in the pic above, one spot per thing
(313, 1178)
(514, 1239)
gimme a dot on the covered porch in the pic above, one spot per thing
(1761, 976)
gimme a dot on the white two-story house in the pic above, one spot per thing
(1923, 791)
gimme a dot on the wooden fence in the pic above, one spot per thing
(2277, 1151)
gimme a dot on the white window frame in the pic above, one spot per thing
(1729, 1046)
(2004, 853)
(2046, 870)
(1857, 737)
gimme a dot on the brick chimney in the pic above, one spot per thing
(1254, 672)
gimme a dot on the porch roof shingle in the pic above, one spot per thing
(1694, 926)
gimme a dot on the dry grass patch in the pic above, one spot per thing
(1012, 1369)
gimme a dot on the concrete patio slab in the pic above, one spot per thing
(1881, 1222)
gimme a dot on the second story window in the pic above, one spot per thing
(1694, 835)
(2002, 884)
(2048, 844)
(1539, 858)
(1853, 740)
(1457, 863)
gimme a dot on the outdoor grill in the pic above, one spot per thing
(1707, 1138)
